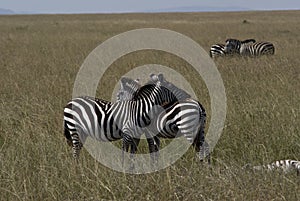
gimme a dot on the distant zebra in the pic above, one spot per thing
(218, 50)
(281, 165)
(106, 121)
(246, 49)
(186, 117)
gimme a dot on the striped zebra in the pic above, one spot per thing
(128, 88)
(218, 50)
(185, 117)
(107, 121)
(248, 49)
(282, 165)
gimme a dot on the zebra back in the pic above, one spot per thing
(257, 49)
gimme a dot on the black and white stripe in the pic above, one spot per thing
(185, 117)
(283, 165)
(106, 121)
(218, 50)
(248, 49)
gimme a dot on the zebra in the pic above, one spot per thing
(246, 49)
(184, 117)
(128, 88)
(218, 50)
(285, 166)
(106, 121)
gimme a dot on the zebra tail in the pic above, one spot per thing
(200, 138)
(67, 134)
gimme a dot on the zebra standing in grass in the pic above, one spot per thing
(128, 88)
(246, 49)
(218, 50)
(106, 121)
(283, 165)
(186, 117)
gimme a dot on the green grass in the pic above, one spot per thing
(39, 59)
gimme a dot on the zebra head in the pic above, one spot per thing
(232, 46)
(127, 89)
(160, 80)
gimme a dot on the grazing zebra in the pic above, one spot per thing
(282, 165)
(246, 49)
(186, 117)
(107, 121)
(218, 50)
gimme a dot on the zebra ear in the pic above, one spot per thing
(161, 77)
(124, 81)
(137, 80)
(153, 78)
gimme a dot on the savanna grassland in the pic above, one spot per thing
(40, 56)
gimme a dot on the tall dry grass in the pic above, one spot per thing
(39, 59)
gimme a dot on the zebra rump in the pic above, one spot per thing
(217, 50)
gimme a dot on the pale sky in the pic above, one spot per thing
(98, 6)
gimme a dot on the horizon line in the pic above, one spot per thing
(162, 10)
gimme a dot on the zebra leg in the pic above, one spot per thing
(73, 139)
(133, 149)
(157, 145)
(125, 147)
(153, 144)
(201, 146)
(76, 145)
(133, 143)
(204, 152)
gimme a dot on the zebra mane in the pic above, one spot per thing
(131, 89)
(248, 41)
(233, 40)
(154, 88)
(160, 80)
